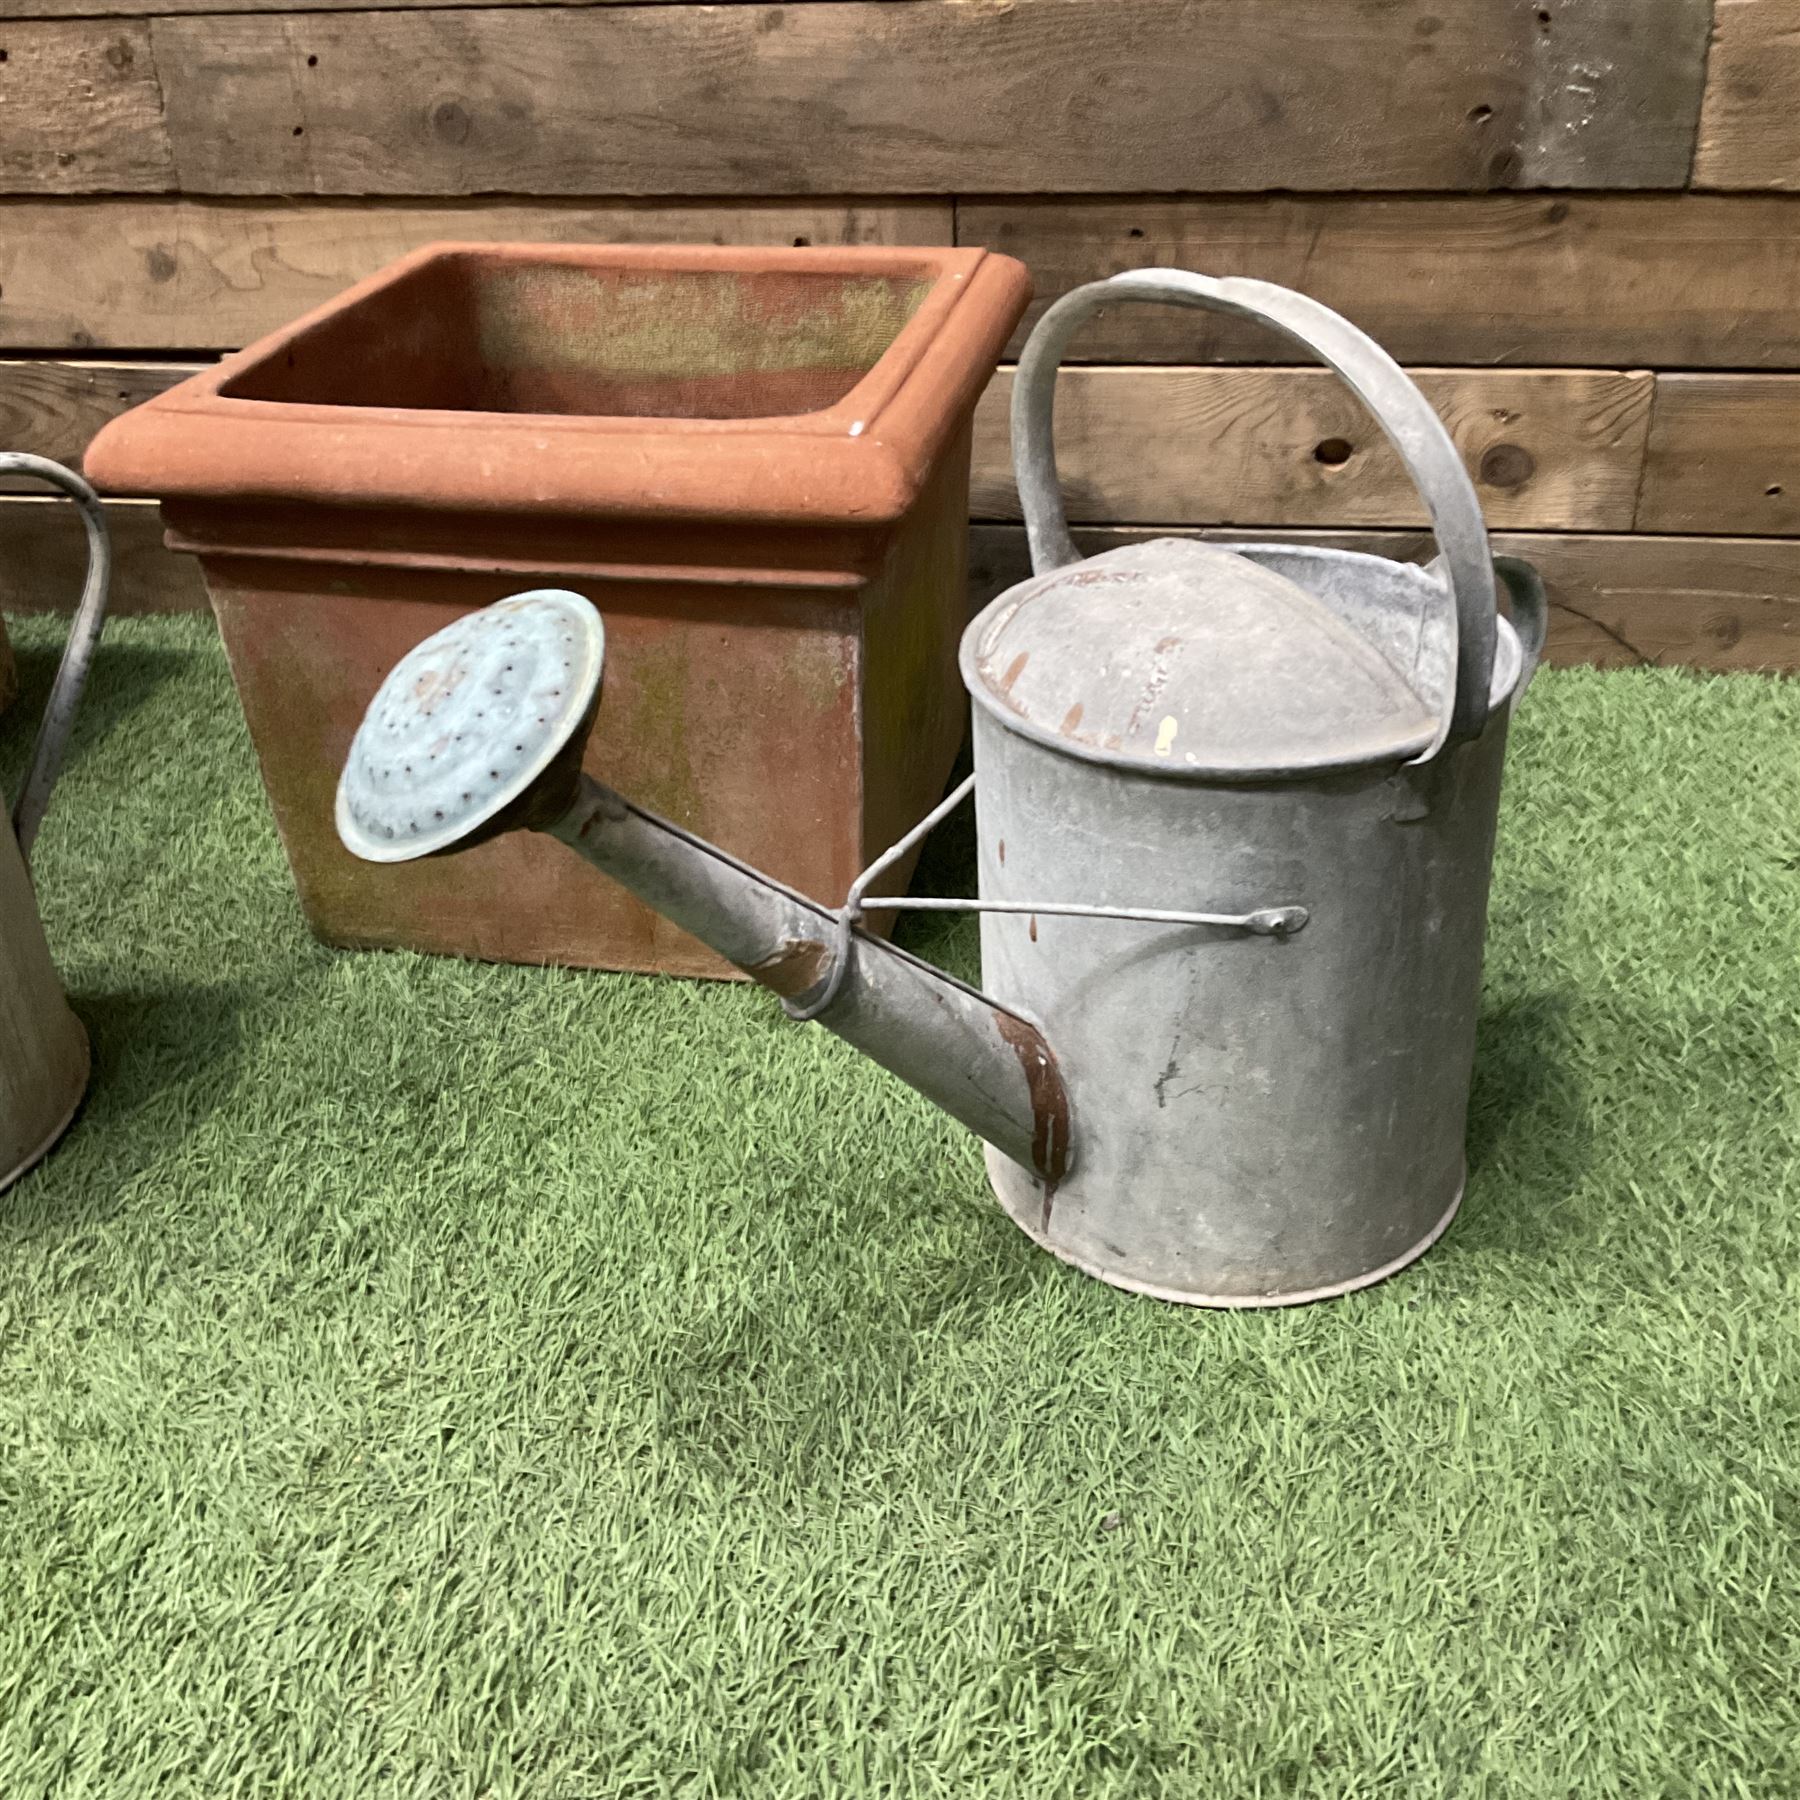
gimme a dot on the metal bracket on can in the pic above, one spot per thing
(1264, 921)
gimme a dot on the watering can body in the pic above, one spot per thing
(1258, 1119)
(1236, 810)
(43, 1049)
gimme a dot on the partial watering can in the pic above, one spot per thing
(43, 1050)
(1235, 809)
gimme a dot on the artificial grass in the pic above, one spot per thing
(422, 1378)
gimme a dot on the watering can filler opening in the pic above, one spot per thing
(1235, 812)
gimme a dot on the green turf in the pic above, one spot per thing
(420, 1378)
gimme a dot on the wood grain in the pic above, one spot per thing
(1711, 603)
(939, 96)
(112, 9)
(43, 559)
(54, 408)
(1750, 117)
(1551, 449)
(1658, 280)
(161, 273)
(1676, 281)
(1723, 455)
(1616, 601)
(80, 109)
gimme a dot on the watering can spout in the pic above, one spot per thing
(1249, 794)
(480, 730)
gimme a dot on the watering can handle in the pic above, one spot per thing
(1398, 407)
(72, 672)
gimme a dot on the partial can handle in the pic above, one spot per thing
(1530, 610)
(84, 634)
(1397, 406)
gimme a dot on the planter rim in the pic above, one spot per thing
(860, 462)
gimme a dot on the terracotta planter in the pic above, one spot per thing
(754, 462)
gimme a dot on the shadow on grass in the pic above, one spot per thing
(1524, 1080)
(123, 677)
(1592, 1100)
(1530, 1138)
(760, 1394)
(165, 1062)
(147, 1040)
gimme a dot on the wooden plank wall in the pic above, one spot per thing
(1576, 219)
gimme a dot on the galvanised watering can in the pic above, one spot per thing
(43, 1050)
(1236, 811)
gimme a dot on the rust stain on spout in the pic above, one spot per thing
(1049, 1102)
(800, 964)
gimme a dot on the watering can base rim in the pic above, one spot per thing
(36, 1155)
(1002, 1170)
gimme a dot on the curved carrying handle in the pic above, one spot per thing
(1398, 407)
(72, 672)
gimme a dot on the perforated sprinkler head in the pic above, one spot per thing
(468, 723)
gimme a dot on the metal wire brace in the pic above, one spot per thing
(1265, 921)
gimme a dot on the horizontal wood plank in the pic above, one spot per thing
(1710, 603)
(1728, 604)
(939, 96)
(1550, 449)
(80, 107)
(54, 408)
(1692, 281)
(1750, 118)
(151, 274)
(121, 9)
(1647, 280)
(1723, 455)
(43, 559)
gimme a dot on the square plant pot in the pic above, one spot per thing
(754, 462)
